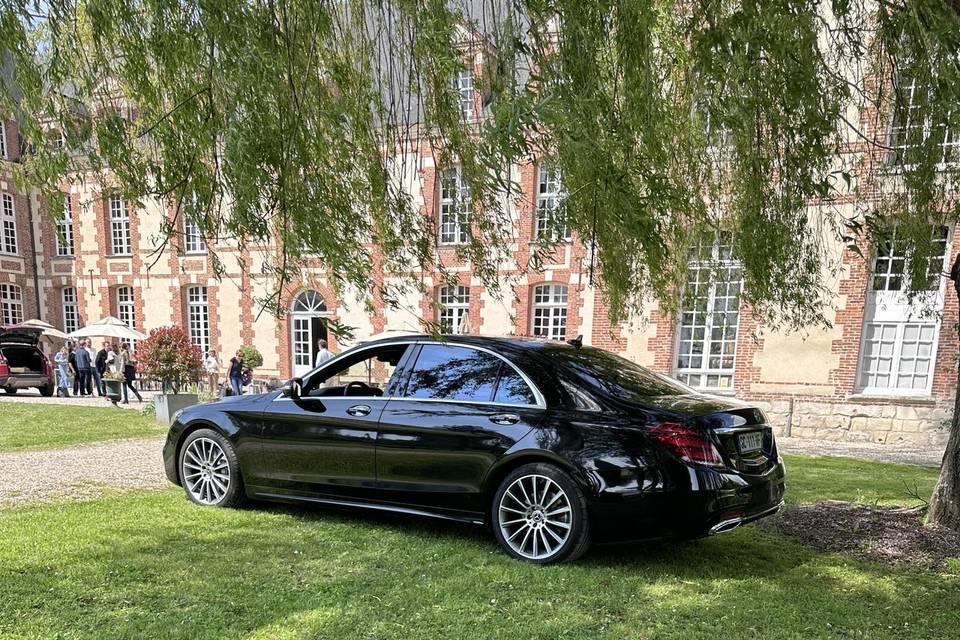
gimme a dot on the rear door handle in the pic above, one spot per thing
(505, 418)
(359, 410)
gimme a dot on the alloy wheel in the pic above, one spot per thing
(205, 471)
(535, 516)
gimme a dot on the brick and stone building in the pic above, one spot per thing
(881, 373)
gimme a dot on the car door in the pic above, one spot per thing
(323, 442)
(458, 409)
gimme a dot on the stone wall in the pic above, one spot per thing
(880, 422)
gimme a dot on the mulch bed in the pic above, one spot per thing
(887, 534)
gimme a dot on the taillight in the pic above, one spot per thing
(687, 444)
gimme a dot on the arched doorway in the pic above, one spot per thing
(306, 327)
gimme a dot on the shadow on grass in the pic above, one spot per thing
(153, 565)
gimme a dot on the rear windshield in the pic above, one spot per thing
(619, 377)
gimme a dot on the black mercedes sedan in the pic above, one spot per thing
(553, 445)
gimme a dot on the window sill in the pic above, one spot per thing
(69, 257)
(195, 253)
(120, 255)
(892, 397)
(7, 254)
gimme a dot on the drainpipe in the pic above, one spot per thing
(788, 425)
(33, 253)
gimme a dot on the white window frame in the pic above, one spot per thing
(120, 241)
(888, 307)
(548, 310)
(11, 303)
(453, 311)
(898, 134)
(466, 95)
(71, 309)
(198, 317)
(193, 240)
(8, 241)
(3, 140)
(455, 206)
(550, 195)
(703, 272)
(65, 230)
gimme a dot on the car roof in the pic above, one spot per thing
(513, 342)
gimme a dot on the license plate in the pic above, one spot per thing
(750, 442)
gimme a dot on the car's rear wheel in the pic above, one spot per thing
(210, 471)
(10, 391)
(47, 391)
(539, 514)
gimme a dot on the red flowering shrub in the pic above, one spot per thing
(169, 356)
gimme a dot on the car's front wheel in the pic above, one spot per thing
(539, 514)
(47, 390)
(10, 391)
(210, 471)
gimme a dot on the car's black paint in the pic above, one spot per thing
(446, 458)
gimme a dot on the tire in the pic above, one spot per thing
(10, 391)
(47, 391)
(205, 458)
(544, 509)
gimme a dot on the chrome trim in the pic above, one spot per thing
(404, 399)
(537, 395)
(374, 506)
(732, 523)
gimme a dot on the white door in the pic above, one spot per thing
(306, 327)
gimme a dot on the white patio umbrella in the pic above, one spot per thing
(48, 329)
(109, 327)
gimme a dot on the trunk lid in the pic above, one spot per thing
(739, 431)
(20, 334)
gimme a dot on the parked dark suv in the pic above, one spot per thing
(22, 363)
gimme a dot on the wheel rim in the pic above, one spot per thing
(205, 471)
(535, 516)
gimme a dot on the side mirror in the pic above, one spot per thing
(291, 389)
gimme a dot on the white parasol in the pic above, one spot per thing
(108, 327)
(48, 329)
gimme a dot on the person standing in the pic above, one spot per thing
(63, 379)
(111, 359)
(211, 365)
(125, 363)
(94, 382)
(236, 373)
(323, 354)
(100, 364)
(72, 361)
(84, 368)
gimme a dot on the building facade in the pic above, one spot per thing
(883, 372)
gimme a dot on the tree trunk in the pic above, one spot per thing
(945, 503)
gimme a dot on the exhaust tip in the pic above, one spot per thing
(726, 525)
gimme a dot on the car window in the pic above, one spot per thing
(374, 368)
(512, 388)
(453, 373)
(620, 377)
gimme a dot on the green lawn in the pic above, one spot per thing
(48, 426)
(811, 479)
(151, 565)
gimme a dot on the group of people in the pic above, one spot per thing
(239, 375)
(81, 366)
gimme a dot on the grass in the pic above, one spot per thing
(152, 565)
(811, 479)
(25, 426)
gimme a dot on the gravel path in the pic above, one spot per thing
(81, 472)
(901, 453)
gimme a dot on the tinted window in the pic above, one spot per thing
(618, 376)
(512, 389)
(453, 373)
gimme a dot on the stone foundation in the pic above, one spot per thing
(880, 422)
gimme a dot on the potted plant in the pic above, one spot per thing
(169, 356)
(113, 383)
